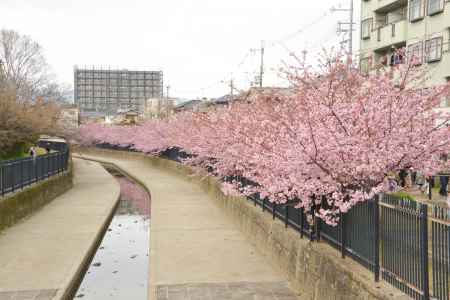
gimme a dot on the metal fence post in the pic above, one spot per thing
(423, 216)
(36, 170)
(317, 223)
(58, 163)
(46, 166)
(41, 175)
(430, 187)
(2, 181)
(66, 160)
(21, 173)
(301, 221)
(286, 216)
(273, 210)
(342, 224)
(376, 220)
(13, 181)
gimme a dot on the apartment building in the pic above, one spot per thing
(422, 26)
(159, 108)
(109, 91)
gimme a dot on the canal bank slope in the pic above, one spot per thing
(196, 250)
(43, 256)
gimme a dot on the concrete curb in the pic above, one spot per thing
(114, 166)
(73, 281)
(74, 277)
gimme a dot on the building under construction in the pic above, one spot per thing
(106, 91)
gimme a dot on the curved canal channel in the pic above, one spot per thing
(119, 268)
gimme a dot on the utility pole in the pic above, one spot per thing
(2, 71)
(167, 101)
(231, 88)
(350, 46)
(2, 75)
(259, 79)
(261, 70)
(350, 26)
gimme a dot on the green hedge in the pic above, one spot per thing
(19, 150)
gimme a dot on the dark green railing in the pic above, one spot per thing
(19, 173)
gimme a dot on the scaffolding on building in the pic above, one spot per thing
(109, 91)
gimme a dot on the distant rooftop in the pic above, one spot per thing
(191, 104)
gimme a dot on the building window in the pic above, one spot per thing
(433, 49)
(445, 101)
(415, 10)
(448, 39)
(435, 6)
(364, 65)
(366, 27)
(396, 15)
(415, 53)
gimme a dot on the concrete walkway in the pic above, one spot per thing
(41, 257)
(196, 251)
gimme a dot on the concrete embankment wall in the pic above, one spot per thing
(314, 269)
(22, 203)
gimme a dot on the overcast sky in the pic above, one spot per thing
(197, 43)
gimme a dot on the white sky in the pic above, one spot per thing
(197, 43)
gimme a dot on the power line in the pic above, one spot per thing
(350, 24)
(244, 59)
(282, 42)
(316, 21)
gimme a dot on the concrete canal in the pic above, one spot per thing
(120, 267)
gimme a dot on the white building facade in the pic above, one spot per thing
(422, 26)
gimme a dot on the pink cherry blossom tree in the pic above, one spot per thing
(328, 142)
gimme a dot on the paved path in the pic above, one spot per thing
(41, 256)
(196, 251)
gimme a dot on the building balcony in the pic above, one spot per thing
(446, 63)
(393, 34)
(383, 6)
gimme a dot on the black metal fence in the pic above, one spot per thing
(290, 216)
(19, 173)
(440, 254)
(407, 242)
(404, 246)
(389, 236)
(356, 234)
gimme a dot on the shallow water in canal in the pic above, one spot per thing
(119, 269)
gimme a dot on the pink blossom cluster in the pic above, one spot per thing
(329, 142)
(136, 195)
